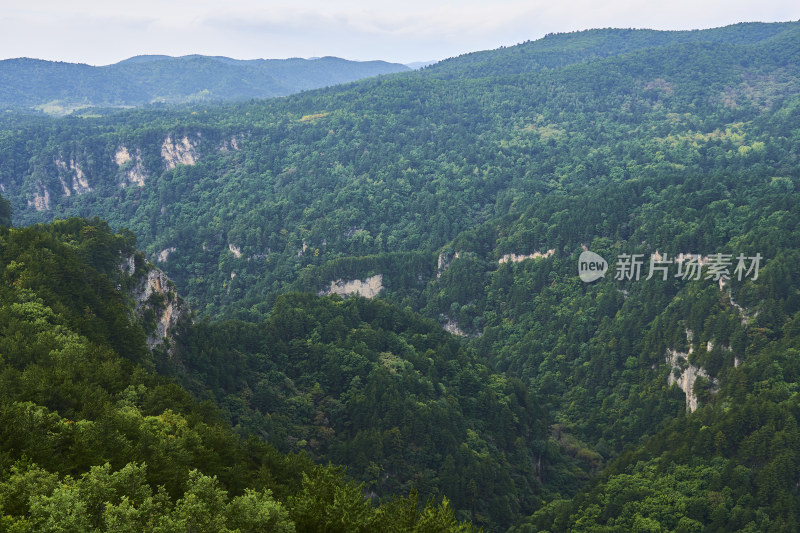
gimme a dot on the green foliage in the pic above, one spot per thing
(389, 394)
(326, 505)
(62, 88)
(443, 181)
(122, 501)
(354, 179)
(5, 212)
(92, 440)
(564, 49)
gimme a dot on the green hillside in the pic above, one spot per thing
(61, 88)
(563, 49)
(92, 439)
(393, 396)
(458, 199)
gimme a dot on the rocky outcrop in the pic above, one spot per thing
(235, 250)
(742, 313)
(451, 326)
(233, 144)
(159, 308)
(180, 152)
(156, 305)
(444, 262)
(514, 258)
(163, 255)
(131, 165)
(368, 288)
(72, 177)
(685, 374)
(128, 266)
(122, 156)
(41, 199)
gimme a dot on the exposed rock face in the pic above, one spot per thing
(739, 308)
(67, 190)
(163, 255)
(157, 306)
(235, 250)
(181, 152)
(122, 156)
(156, 293)
(233, 144)
(451, 326)
(128, 266)
(72, 177)
(41, 199)
(444, 262)
(133, 173)
(368, 288)
(686, 376)
(514, 258)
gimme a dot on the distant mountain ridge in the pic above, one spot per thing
(59, 87)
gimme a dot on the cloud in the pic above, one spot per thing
(101, 32)
(429, 22)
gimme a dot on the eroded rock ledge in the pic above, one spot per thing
(368, 288)
(157, 305)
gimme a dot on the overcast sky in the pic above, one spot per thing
(103, 32)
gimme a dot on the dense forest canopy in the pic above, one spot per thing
(92, 439)
(483, 376)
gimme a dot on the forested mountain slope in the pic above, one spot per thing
(389, 394)
(266, 189)
(91, 439)
(466, 192)
(58, 87)
(562, 49)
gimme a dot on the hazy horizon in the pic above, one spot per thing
(99, 33)
(206, 55)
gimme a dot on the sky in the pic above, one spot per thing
(104, 32)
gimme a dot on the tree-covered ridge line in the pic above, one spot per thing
(61, 88)
(563, 49)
